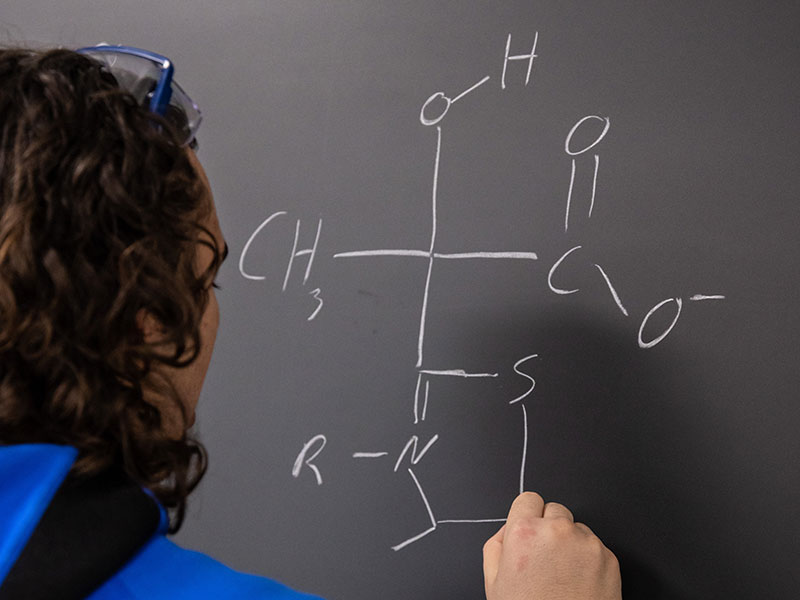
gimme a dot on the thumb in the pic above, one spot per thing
(492, 550)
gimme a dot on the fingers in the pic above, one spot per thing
(554, 510)
(542, 553)
(526, 509)
(499, 535)
(492, 550)
(526, 506)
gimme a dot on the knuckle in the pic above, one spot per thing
(598, 550)
(584, 528)
(561, 526)
(522, 530)
(487, 547)
(612, 560)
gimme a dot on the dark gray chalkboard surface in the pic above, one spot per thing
(642, 271)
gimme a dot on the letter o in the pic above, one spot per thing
(593, 144)
(436, 96)
(650, 344)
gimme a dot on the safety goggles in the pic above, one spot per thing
(148, 77)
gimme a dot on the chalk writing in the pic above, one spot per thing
(432, 114)
(316, 294)
(574, 153)
(560, 281)
(303, 459)
(311, 252)
(412, 445)
(517, 365)
(529, 57)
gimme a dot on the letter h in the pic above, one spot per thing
(295, 253)
(528, 57)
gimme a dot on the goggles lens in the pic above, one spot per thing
(183, 114)
(145, 78)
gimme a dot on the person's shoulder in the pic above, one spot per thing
(162, 569)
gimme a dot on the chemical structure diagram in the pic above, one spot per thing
(432, 115)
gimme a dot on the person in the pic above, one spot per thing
(109, 246)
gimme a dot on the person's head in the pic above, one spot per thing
(109, 245)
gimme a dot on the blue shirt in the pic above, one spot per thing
(30, 475)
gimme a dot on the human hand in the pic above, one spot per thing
(542, 554)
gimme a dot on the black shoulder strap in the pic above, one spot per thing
(88, 532)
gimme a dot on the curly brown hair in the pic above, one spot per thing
(100, 216)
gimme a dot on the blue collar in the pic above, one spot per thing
(30, 474)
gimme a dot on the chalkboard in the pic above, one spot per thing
(484, 246)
